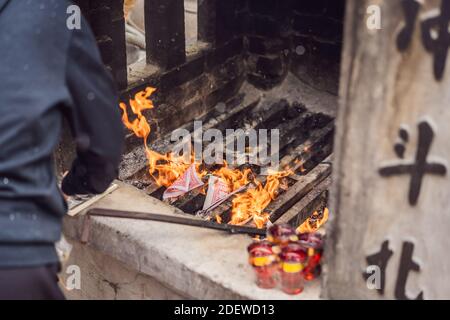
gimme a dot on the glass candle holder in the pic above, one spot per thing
(292, 261)
(281, 235)
(265, 264)
(313, 243)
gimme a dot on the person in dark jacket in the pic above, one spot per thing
(48, 72)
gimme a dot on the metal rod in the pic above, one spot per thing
(176, 220)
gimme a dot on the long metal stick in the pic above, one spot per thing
(165, 218)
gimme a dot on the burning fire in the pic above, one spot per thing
(166, 169)
(314, 222)
(251, 204)
(140, 125)
(234, 178)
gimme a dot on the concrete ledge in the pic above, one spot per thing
(193, 262)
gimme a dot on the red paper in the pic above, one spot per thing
(187, 182)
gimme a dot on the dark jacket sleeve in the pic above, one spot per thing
(94, 118)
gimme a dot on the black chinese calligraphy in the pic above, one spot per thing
(411, 10)
(438, 44)
(381, 259)
(434, 30)
(406, 265)
(419, 167)
(400, 147)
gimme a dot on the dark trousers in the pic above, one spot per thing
(30, 283)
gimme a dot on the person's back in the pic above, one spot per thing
(48, 72)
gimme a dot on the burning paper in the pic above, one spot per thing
(217, 191)
(187, 182)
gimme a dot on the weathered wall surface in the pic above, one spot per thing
(304, 37)
(391, 180)
(115, 282)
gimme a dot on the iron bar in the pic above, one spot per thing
(98, 212)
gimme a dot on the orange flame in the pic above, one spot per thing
(314, 222)
(164, 169)
(140, 125)
(234, 178)
(251, 204)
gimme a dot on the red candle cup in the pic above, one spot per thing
(293, 258)
(313, 243)
(281, 235)
(265, 263)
